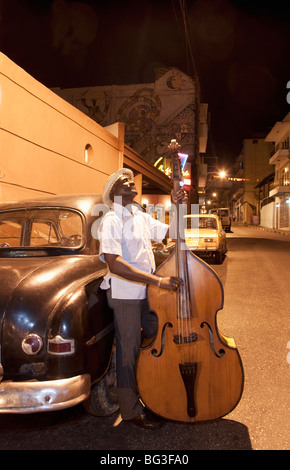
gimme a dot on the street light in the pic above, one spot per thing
(222, 174)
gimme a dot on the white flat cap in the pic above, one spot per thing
(112, 180)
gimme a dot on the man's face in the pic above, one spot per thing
(124, 188)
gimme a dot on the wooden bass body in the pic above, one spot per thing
(191, 372)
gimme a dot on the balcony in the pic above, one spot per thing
(279, 187)
(280, 152)
(239, 190)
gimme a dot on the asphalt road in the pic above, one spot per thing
(256, 278)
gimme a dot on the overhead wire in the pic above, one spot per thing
(188, 42)
(191, 58)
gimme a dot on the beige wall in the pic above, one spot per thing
(256, 161)
(255, 158)
(267, 216)
(163, 199)
(43, 140)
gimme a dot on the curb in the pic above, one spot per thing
(265, 229)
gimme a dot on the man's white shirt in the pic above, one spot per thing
(129, 235)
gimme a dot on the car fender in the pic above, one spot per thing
(83, 318)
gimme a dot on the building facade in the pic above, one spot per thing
(280, 158)
(266, 202)
(252, 165)
(153, 114)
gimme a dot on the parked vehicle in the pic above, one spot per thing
(57, 331)
(224, 214)
(204, 235)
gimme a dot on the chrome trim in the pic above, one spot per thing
(60, 340)
(94, 339)
(36, 396)
(32, 335)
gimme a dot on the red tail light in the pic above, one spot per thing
(60, 346)
(32, 344)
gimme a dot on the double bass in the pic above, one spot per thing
(191, 372)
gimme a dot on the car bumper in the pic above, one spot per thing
(37, 396)
(203, 249)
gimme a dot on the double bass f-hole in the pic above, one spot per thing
(211, 340)
(154, 351)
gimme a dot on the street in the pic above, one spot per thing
(256, 277)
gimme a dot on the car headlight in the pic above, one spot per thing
(32, 344)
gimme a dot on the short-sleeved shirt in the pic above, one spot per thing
(129, 235)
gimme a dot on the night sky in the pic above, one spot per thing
(240, 50)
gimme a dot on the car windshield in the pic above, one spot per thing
(41, 228)
(203, 222)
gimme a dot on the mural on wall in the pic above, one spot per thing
(140, 112)
(153, 113)
(96, 106)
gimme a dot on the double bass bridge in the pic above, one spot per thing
(181, 339)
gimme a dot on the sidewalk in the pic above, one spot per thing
(285, 232)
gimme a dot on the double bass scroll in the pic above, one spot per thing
(191, 372)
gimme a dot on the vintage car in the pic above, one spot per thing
(57, 331)
(204, 235)
(224, 215)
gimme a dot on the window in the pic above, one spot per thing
(42, 233)
(285, 176)
(203, 222)
(88, 154)
(285, 143)
(10, 233)
(284, 214)
(41, 227)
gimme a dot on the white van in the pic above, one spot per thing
(224, 214)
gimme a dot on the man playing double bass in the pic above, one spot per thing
(125, 236)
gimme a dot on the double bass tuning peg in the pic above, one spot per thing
(174, 146)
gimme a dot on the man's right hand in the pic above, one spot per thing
(170, 282)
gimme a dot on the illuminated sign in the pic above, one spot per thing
(238, 179)
(162, 166)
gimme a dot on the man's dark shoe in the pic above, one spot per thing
(146, 420)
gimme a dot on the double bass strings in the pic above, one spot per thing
(183, 299)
